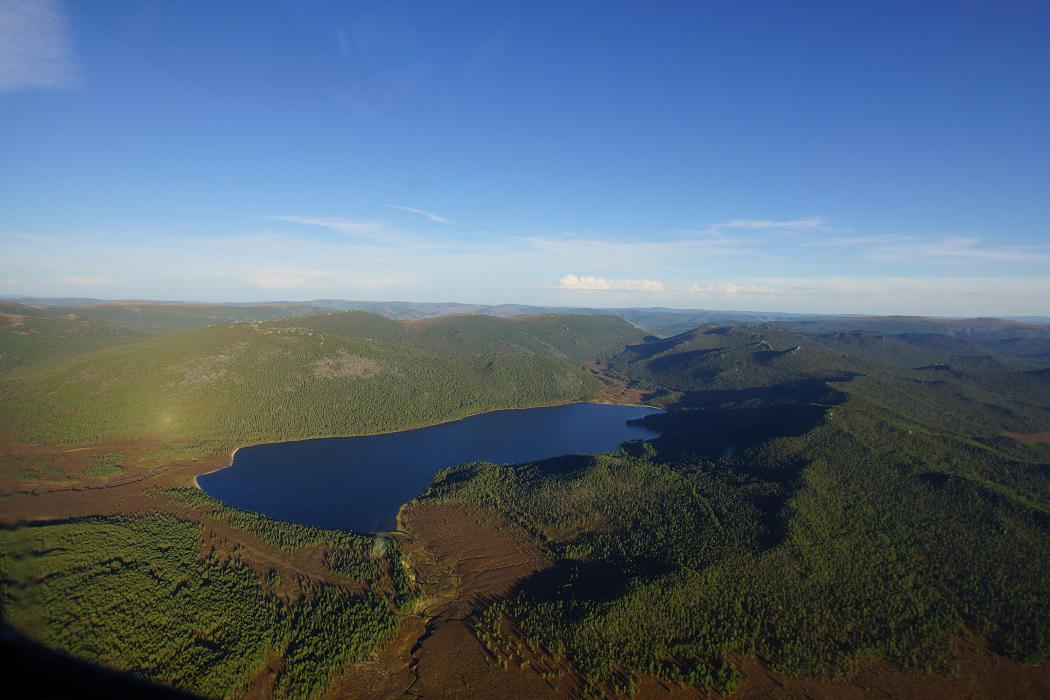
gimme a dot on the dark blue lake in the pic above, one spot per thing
(359, 483)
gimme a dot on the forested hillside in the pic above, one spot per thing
(578, 339)
(817, 500)
(1029, 342)
(820, 501)
(31, 335)
(171, 585)
(182, 596)
(320, 375)
(153, 317)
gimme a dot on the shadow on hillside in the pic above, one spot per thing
(704, 430)
(764, 357)
(678, 359)
(725, 422)
(587, 582)
(997, 496)
(655, 346)
(39, 672)
(725, 432)
(805, 391)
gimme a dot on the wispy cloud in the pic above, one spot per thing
(731, 289)
(956, 248)
(428, 214)
(35, 47)
(897, 294)
(804, 224)
(355, 258)
(597, 252)
(307, 279)
(487, 52)
(586, 282)
(344, 43)
(285, 278)
(856, 240)
(371, 230)
(85, 281)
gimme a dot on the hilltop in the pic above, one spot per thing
(661, 321)
(31, 335)
(332, 374)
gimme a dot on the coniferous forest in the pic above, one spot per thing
(820, 499)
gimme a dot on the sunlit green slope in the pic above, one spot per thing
(153, 317)
(575, 338)
(31, 336)
(324, 375)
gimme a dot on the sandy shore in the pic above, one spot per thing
(217, 469)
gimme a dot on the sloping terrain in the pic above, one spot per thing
(190, 594)
(312, 376)
(152, 317)
(814, 501)
(1024, 341)
(578, 339)
(830, 514)
(32, 335)
(108, 556)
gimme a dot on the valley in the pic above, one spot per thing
(846, 512)
(510, 351)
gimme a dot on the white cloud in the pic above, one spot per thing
(428, 214)
(589, 283)
(35, 47)
(755, 270)
(585, 282)
(730, 288)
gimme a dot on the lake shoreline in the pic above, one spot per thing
(233, 454)
(307, 481)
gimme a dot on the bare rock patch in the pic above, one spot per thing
(346, 364)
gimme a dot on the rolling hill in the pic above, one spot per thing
(33, 335)
(817, 500)
(30, 336)
(821, 502)
(578, 339)
(339, 374)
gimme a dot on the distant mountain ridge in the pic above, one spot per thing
(660, 320)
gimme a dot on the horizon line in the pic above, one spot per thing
(98, 301)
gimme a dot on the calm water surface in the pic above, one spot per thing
(359, 483)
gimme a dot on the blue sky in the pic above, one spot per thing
(874, 157)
